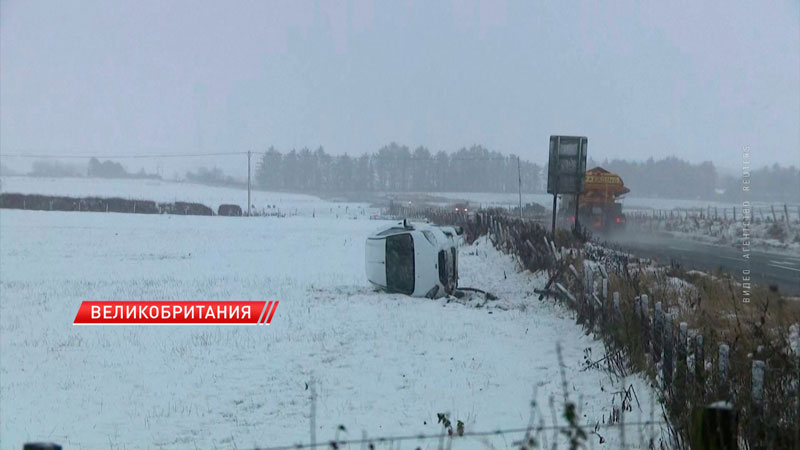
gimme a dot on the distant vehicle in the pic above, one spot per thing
(461, 207)
(599, 207)
(416, 259)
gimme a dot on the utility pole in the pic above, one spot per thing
(249, 153)
(519, 178)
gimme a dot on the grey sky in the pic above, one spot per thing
(698, 80)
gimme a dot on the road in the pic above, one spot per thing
(780, 269)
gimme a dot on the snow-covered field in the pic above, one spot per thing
(170, 191)
(382, 363)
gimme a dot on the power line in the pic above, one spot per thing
(128, 156)
(498, 158)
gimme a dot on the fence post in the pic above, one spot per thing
(722, 362)
(605, 289)
(757, 396)
(774, 217)
(667, 367)
(658, 332)
(617, 310)
(574, 272)
(681, 368)
(645, 318)
(713, 427)
(683, 337)
(796, 328)
(734, 214)
(699, 360)
(588, 279)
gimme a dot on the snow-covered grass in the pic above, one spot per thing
(761, 234)
(383, 363)
(170, 191)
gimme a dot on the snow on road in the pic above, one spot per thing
(382, 363)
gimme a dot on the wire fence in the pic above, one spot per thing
(776, 213)
(527, 432)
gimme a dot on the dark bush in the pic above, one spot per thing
(229, 210)
(98, 204)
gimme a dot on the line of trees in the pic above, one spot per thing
(214, 175)
(54, 169)
(399, 169)
(675, 178)
(111, 169)
(670, 177)
(776, 183)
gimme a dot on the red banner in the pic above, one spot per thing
(176, 313)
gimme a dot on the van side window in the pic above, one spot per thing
(400, 263)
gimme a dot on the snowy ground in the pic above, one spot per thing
(382, 363)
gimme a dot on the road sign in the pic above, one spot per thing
(567, 165)
(566, 171)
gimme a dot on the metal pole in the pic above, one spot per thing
(555, 198)
(248, 182)
(519, 177)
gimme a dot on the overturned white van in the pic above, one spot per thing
(416, 259)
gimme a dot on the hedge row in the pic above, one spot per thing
(98, 204)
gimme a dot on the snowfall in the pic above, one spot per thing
(380, 364)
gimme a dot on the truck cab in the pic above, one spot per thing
(416, 259)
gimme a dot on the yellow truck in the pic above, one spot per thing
(599, 208)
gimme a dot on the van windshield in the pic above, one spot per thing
(447, 270)
(400, 263)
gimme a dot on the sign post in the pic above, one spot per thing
(566, 170)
